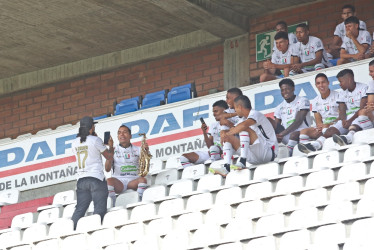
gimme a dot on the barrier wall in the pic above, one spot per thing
(172, 129)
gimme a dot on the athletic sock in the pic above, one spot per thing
(227, 153)
(214, 153)
(141, 188)
(317, 144)
(112, 195)
(350, 135)
(304, 138)
(290, 145)
(244, 144)
(185, 162)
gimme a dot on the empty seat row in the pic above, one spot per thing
(155, 99)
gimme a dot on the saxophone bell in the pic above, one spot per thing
(145, 158)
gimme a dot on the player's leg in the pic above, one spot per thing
(84, 199)
(99, 193)
(188, 159)
(246, 138)
(307, 134)
(114, 186)
(267, 76)
(362, 122)
(139, 184)
(215, 152)
(293, 141)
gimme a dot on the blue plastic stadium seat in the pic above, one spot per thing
(101, 117)
(334, 61)
(154, 99)
(128, 105)
(181, 93)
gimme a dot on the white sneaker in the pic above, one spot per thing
(238, 166)
(219, 170)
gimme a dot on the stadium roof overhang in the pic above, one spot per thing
(37, 34)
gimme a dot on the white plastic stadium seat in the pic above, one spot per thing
(131, 232)
(352, 171)
(337, 211)
(143, 212)
(166, 176)
(230, 246)
(115, 218)
(209, 181)
(60, 199)
(50, 215)
(266, 171)
(283, 203)
(47, 245)
(173, 162)
(119, 246)
(154, 192)
(258, 190)
(149, 242)
(313, 197)
(219, 214)
(23, 220)
(182, 187)
(256, 207)
(357, 153)
(369, 188)
(264, 243)
(237, 177)
(177, 237)
(334, 233)
(303, 218)
(171, 207)
(9, 197)
(238, 228)
(364, 136)
(194, 171)
(200, 237)
(361, 237)
(100, 238)
(288, 185)
(326, 159)
(160, 226)
(126, 198)
(199, 202)
(89, 223)
(320, 178)
(60, 227)
(345, 191)
(228, 196)
(190, 221)
(296, 165)
(35, 233)
(270, 224)
(10, 238)
(156, 165)
(68, 211)
(295, 240)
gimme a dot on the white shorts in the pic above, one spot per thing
(339, 126)
(203, 156)
(125, 180)
(363, 122)
(260, 152)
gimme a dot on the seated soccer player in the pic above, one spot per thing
(325, 109)
(356, 43)
(257, 140)
(366, 115)
(282, 26)
(308, 54)
(352, 101)
(280, 59)
(211, 138)
(291, 116)
(339, 33)
(229, 118)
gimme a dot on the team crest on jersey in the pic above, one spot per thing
(284, 60)
(327, 108)
(289, 111)
(127, 156)
(306, 52)
(351, 100)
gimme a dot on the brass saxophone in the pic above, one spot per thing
(144, 159)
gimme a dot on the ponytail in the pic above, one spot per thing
(83, 132)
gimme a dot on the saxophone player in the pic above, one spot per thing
(124, 166)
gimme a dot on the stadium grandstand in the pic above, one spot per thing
(157, 67)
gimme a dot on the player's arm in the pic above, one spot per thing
(336, 42)
(243, 126)
(362, 48)
(108, 154)
(299, 119)
(315, 61)
(345, 55)
(207, 137)
(318, 119)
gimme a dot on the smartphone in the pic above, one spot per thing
(202, 120)
(106, 137)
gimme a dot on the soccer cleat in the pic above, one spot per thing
(238, 166)
(306, 148)
(219, 170)
(341, 140)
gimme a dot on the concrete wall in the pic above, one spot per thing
(321, 16)
(66, 102)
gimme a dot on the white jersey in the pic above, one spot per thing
(328, 108)
(308, 51)
(340, 29)
(291, 40)
(264, 127)
(364, 37)
(88, 157)
(214, 130)
(282, 58)
(234, 119)
(126, 161)
(370, 90)
(287, 112)
(353, 99)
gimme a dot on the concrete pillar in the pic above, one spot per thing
(236, 62)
